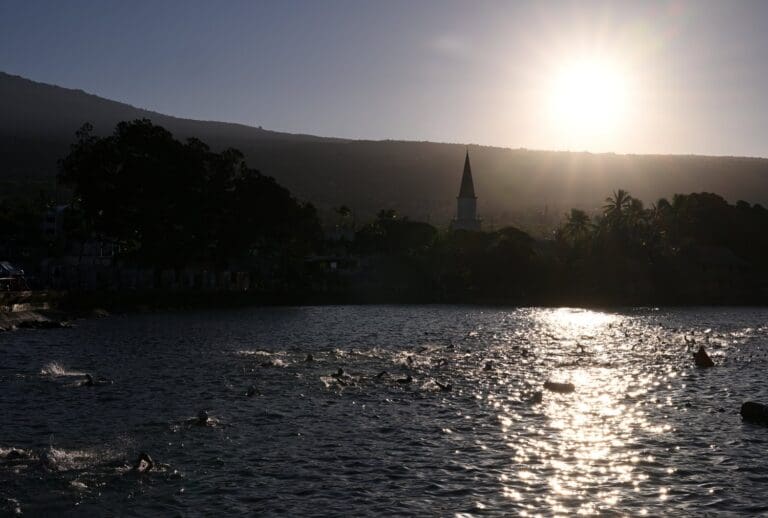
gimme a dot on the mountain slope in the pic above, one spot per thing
(419, 179)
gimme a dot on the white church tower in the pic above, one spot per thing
(466, 202)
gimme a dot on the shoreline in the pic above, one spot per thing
(36, 319)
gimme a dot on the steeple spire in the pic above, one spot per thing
(466, 202)
(467, 186)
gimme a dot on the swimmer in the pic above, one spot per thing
(91, 382)
(342, 378)
(143, 464)
(702, 359)
(406, 380)
(202, 418)
(15, 454)
(309, 358)
(252, 391)
(48, 460)
(488, 365)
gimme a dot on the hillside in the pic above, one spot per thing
(419, 179)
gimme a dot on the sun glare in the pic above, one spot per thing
(588, 97)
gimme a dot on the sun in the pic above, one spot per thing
(588, 97)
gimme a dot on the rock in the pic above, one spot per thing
(754, 412)
(562, 388)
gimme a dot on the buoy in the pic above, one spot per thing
(562, 388)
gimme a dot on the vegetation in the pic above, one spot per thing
(167, 204)
(695, 249)
(20, 224)
(171, 204)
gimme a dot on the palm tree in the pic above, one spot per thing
(617, 206)
(577, 225)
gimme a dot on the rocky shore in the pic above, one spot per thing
(40, 319)
(38, 310)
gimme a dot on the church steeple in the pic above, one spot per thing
(467, 189)
(466, 202)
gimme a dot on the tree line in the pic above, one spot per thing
(170, 204)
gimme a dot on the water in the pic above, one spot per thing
(644, 432)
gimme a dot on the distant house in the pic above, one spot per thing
(12, 278)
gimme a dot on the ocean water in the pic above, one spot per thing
(440, 410)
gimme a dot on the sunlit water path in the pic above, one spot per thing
(644, 432)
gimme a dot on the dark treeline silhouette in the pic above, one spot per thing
(696, 249)
(167, 205)
(414, 261)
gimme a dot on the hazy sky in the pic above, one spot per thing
(661, 77)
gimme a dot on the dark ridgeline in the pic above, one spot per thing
(415, 178)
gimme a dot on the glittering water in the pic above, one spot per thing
(644, 432)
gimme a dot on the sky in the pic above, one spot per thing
(682, 77)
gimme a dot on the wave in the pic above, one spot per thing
(56, 459)
(247, 352)
(14, 452)
(55, 369)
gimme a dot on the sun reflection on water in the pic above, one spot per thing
(581, 454)
(578, 322)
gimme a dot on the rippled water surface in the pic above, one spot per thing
(644, 432)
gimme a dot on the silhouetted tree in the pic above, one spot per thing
(171, 204)
(577, 226)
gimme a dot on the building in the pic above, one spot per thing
(466, 202)
(12, 278)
